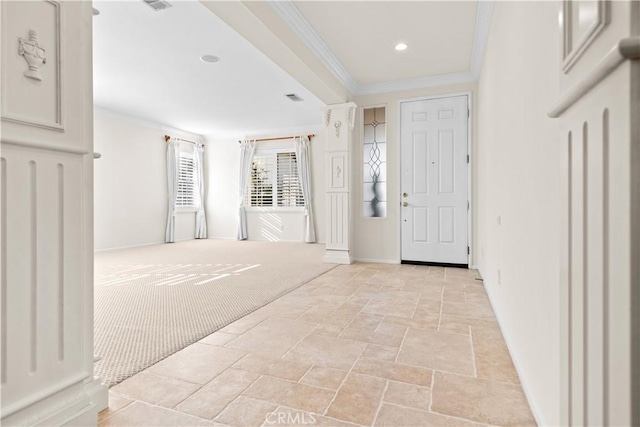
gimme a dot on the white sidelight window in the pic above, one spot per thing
(374, 187)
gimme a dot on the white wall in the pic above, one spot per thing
(518, 192)
(223, 159)
(378, 239)
(130, 189)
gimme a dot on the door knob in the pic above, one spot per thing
(405, 204)
(405, 195)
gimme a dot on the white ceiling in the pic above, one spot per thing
(362, 36)
(354, 40)
(146, 65)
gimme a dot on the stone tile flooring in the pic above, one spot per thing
(365, 344)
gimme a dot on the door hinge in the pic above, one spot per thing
(468, 113)
(468, 251)
(467, 205)
(467, 158)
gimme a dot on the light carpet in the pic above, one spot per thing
(155, 300)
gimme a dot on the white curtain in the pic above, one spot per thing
(247, 149)
(303, 156)
(201, 219)
(172, 190)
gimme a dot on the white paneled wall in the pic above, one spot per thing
(597, 237)
(43, 280)
(600, 151)
(46, 201)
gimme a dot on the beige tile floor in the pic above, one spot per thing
(366, 344)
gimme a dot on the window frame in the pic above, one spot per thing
(273, 152)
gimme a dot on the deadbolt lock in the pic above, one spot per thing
(405, 204)
(405, 195)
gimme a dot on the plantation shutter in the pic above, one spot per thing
(261, 189)
(187, 194)
(289, 189)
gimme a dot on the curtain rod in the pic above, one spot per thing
(167, 138)
(280, 137)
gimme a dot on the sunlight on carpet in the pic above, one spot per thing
(153, 301)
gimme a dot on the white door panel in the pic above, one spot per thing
(434, 179)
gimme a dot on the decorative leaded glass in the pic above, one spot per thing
(375, 163)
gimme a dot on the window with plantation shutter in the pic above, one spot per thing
(188, 195)
(274, 180)
(261, 188)
(289, 189)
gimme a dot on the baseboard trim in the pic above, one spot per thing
(141, 245)
(57, 405)
(377, 261)
(534, 409)
(192, 238)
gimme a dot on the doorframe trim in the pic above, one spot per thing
(469, 95)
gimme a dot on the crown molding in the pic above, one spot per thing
(146, 123)
(417, 83)
(480, 36)
(289, 13)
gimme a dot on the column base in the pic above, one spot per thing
(98, 392)
(332, 256)
(75, 405)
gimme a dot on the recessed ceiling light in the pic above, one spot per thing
(401, 46)
(209, 58)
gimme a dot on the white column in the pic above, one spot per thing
(338, 120)
(46, 216)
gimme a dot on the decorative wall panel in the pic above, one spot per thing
(339, 121)
(600, 229)
(42, 262)
(338, 209)
(582, 21)
(32, 51)
(596, 242)
(338, 179)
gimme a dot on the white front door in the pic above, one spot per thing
(434, 210)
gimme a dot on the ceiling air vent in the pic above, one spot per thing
(294, 97)
(157, 5)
